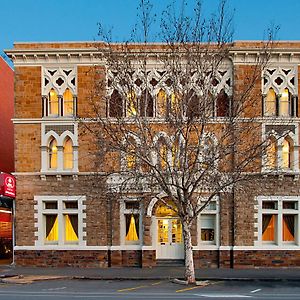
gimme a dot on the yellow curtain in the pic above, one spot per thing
(53, 234)
(132, 234)
(71, 235)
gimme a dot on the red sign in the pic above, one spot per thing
(7, 185)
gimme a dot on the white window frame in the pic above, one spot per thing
(279, 212)
(60, 147)
(123, 212)
(216, 213)
(40, 225)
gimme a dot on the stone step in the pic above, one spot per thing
(170, 262)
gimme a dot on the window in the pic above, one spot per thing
(163, 155)
(270, 103)
(59, 148)
(146, 105)
(52, 153)
(68, 154)
(222, 106)
(60, 220)
(286, 154)
(115, 109)
(59, 89)
(193, 105)
(208, 224)
(53, 103)
(278, 220)
(271, 153)
(68, 109)
(131, 231)
(131, 104)
(162, 103)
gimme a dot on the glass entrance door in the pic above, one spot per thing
(169, 239)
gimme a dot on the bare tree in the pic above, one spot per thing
(184, 88)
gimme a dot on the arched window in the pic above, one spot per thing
(131, 156)
(68, 107)
(222, 104)
(115, 109)
(271, 153)
(270, 103)
(284, 103)
(146, 105)
(68, 154)
(53, 103)
(192, 105)
(52, 153)
(162, 103)
(162, 154)
(287, 149)
(131, 104)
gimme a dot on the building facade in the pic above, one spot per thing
(65, 216)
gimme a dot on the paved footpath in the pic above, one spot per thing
(155, 273)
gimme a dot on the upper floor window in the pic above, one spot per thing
(59, 148)
(59, 89)
(280, 92)
(222, 104)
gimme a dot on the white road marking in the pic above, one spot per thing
(222, 296)
(57, 289)
(255, 291)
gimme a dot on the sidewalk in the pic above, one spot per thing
(155, 273)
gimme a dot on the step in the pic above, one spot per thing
(170, 262)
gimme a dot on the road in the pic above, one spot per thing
(148, 290)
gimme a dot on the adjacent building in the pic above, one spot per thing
(66, 217)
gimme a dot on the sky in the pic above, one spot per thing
(76, 20)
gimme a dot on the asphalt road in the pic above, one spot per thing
(92, 289)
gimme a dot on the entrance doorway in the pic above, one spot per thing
(169, 244)
(6, 236)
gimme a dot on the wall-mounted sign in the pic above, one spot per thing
(7, 185)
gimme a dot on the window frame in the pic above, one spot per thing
(123, 212)
(278, 212)
(61, 212)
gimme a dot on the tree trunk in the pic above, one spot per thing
(188, 251)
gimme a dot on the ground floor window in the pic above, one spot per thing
(278, 220)
(209, 223)
(60, 220)
(131, 222)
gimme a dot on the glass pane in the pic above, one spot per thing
(268, 228)
(176, 231)
(269, 205)
(132, 227)
(271, 152)
(166, 211)
(53, 103)
(50, 205)
(52, 151)
(51, 228)
(132, 205)
(270, 103)
(290, 205)
(208, 234)
(288, 228)
(68, 154)
(132, 104)
(163, 231)
(284, 103)
(71, 228)
(68, 103)
(71, 204)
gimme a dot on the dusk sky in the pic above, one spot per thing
(76, 20)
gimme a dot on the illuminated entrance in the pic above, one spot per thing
(169, 234)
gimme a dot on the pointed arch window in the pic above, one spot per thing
(68, 103)
(192, 105)
(52, 153)
(163, 154)
(53, 103)
(285, 103)
(162, 104)
(146, 105)
(270, 103)
(222, 106)
(271, 153)
(131, 160)
(131, 104)
(68, 154)
(115, 108)
(287, 148)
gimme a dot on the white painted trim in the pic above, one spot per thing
(267, 247)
